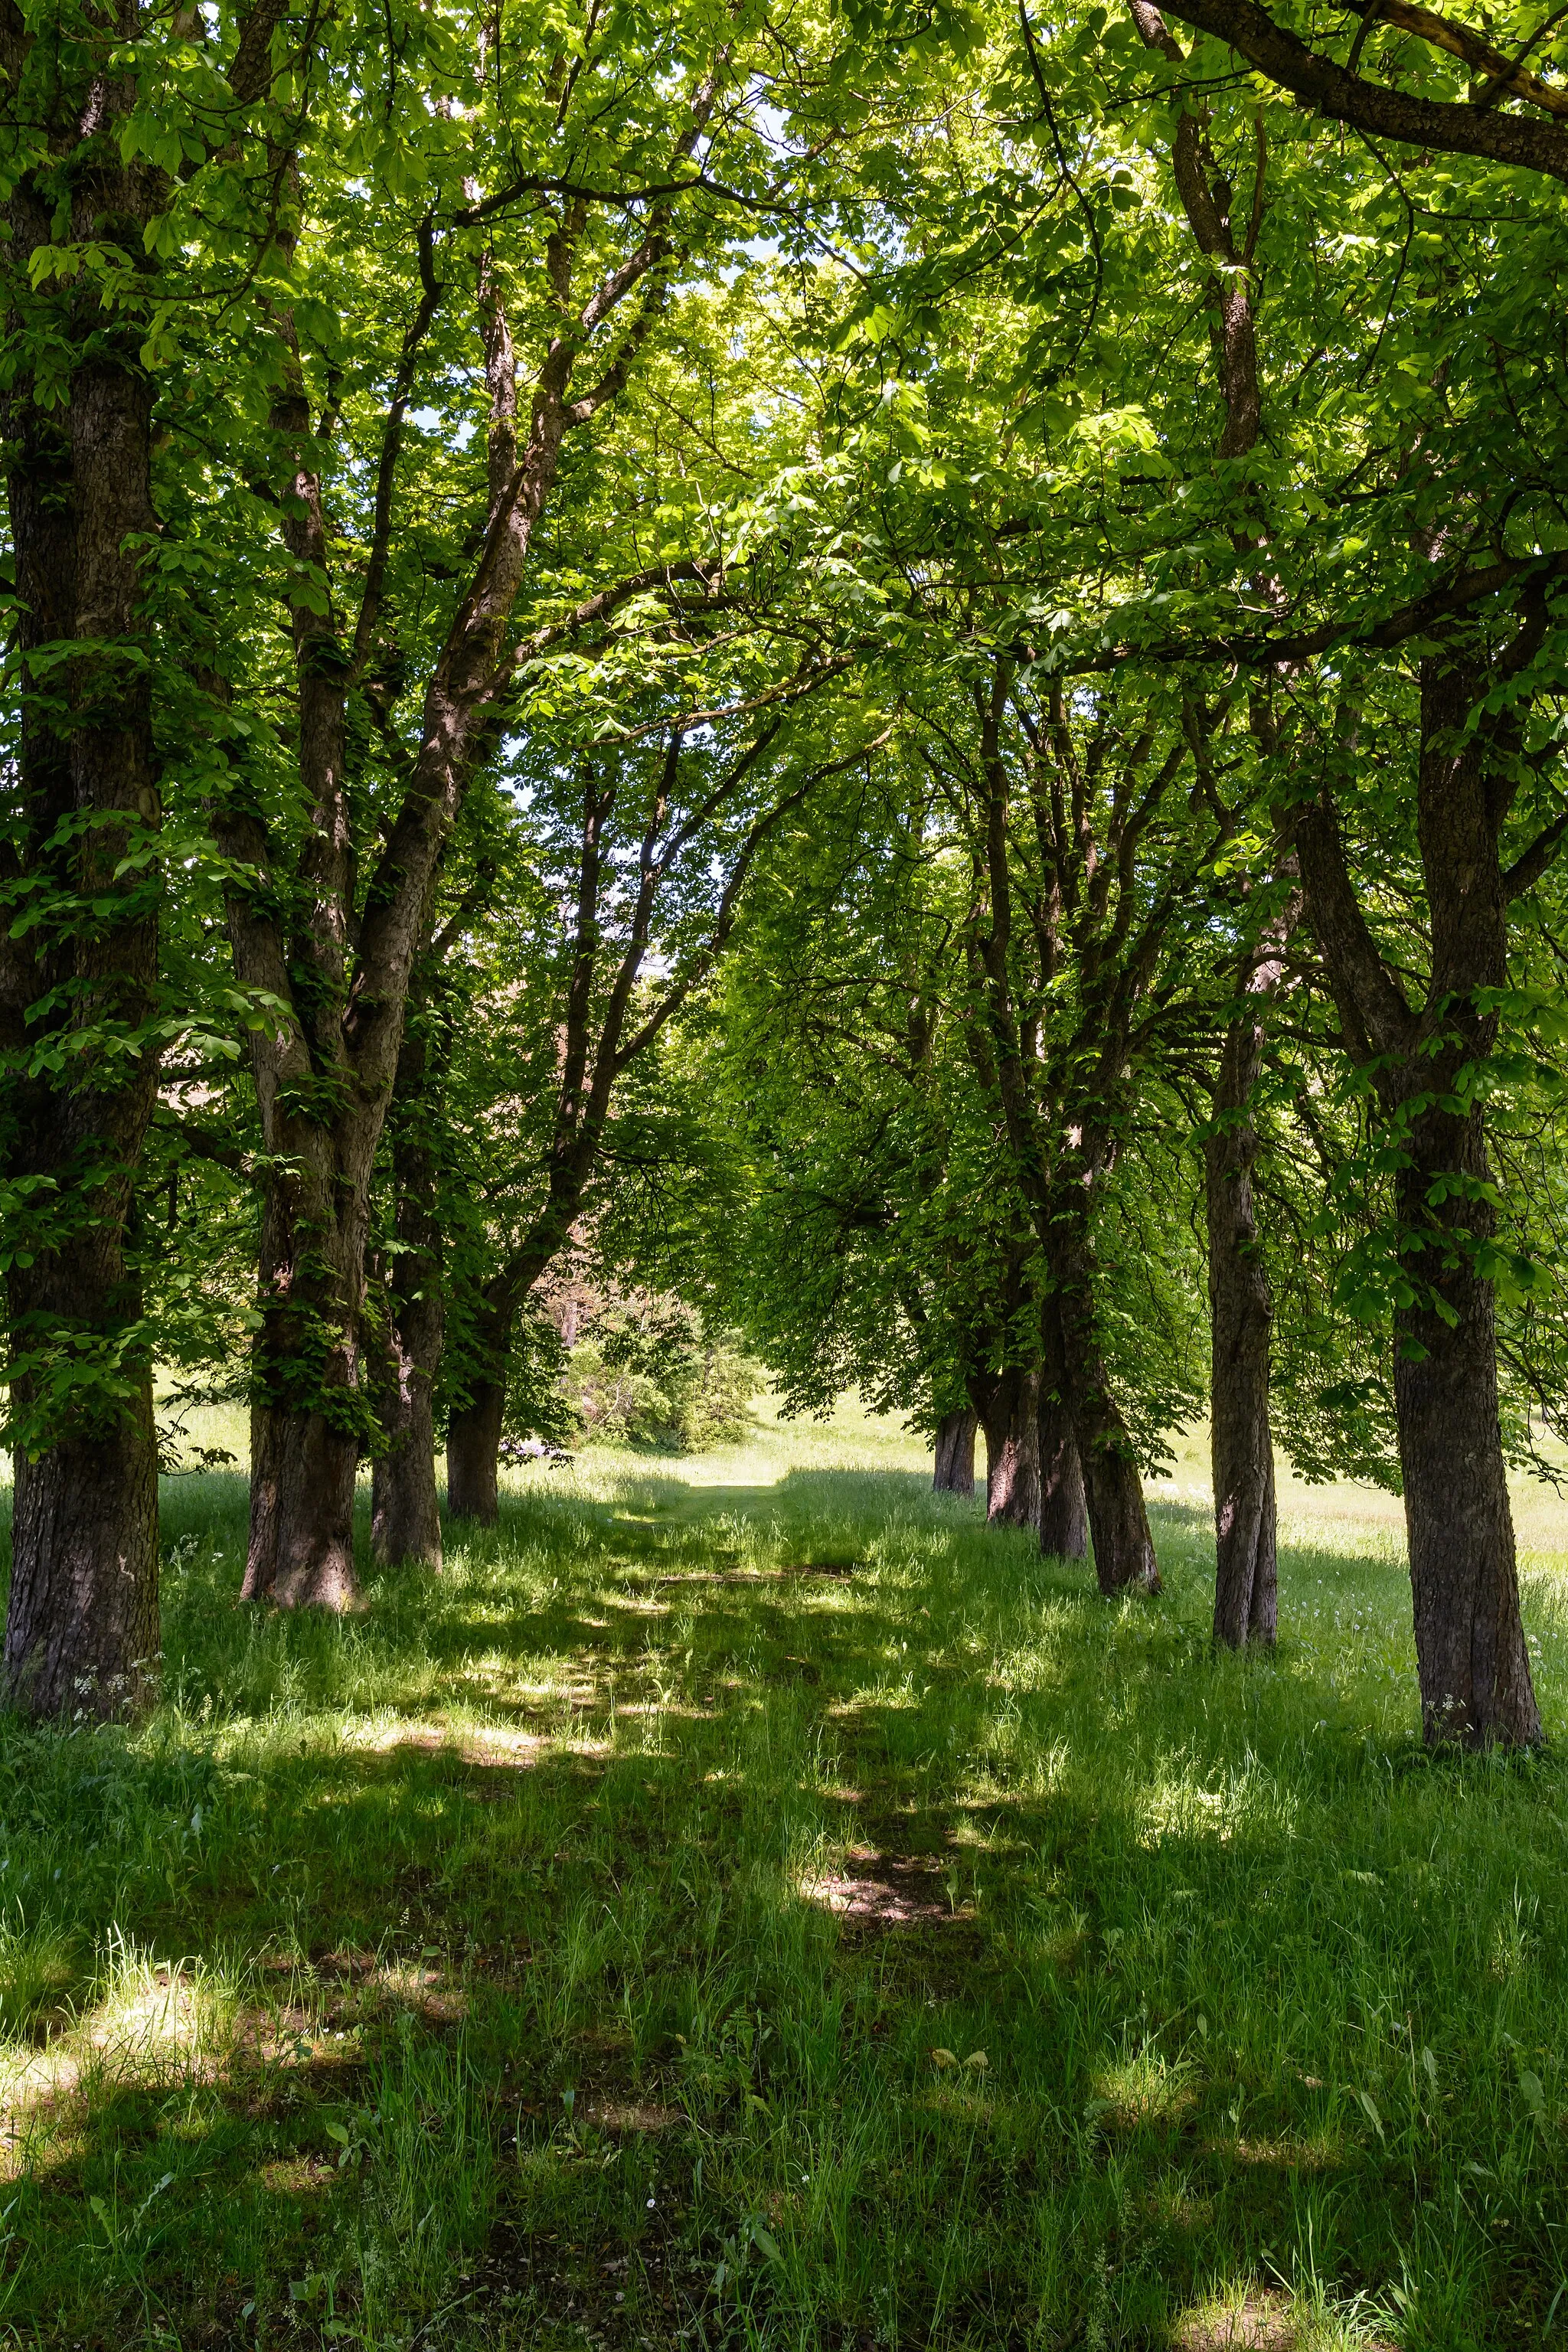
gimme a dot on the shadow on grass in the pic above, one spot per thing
(617, 1939)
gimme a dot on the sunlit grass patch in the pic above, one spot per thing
(1262, 2319)
(560, 1952)
(141, 2023)
(38, 1966)
(1144, 2087)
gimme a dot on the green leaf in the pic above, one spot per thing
(1370, 2104)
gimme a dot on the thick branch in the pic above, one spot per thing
(1330, 90)
(1423, 616)
(1533, 863)
(391, 446)
(1371, 1004)
(1506, 75)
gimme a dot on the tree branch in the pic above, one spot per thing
(1505, 75)
(1330, 90)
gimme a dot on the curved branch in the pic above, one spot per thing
(1330, 90)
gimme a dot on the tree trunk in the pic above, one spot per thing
(320, 1105)
(1064, 1507)
(301, 1550)
(308, 1414)
(1012, 1449)
(1470, 1652)
(81, 1629)
(954, 1472)
(1241, 1312)
(405, 1517)
(1473, 1666)
(474, 1429)
(83, 1623)
(1114, 1492)
(473, 1453)
(1118, 1524)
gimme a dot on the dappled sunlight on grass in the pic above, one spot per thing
(146, 2023)
(777, 1911)
(1145, 2088)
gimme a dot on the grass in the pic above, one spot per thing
(747, 1902)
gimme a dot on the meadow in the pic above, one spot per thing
(744, 1902)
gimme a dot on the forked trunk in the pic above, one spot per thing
(404, 1514)
(1114, 1492)
(954, 1472)
(1470, 1653)
(473, 1456)
(81, 1632)
(1241, 1312)
(1012, 1449)
(308, 1412)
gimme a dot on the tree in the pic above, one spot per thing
(666, 830)
(535, 191)
(1085, 939)
(1240, 1305)
(83, 1018)
(883, 1249)
(1458, 470)
(1428, 1058)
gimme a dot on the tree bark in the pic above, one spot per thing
(82, 1624)
(954, 1471)
(1471, 1651)
(473, 1453)
(405, 1517)
(1010, 1419)
(1474, 1668)
(1241, 1312)
(1064, 1506)
(1113, 1491)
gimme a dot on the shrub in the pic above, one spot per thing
(653, 1372)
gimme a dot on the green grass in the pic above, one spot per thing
(615, 1941)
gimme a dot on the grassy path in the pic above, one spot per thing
(777, 1912)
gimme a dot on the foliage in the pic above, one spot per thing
(651, 1371)
(922, 378)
